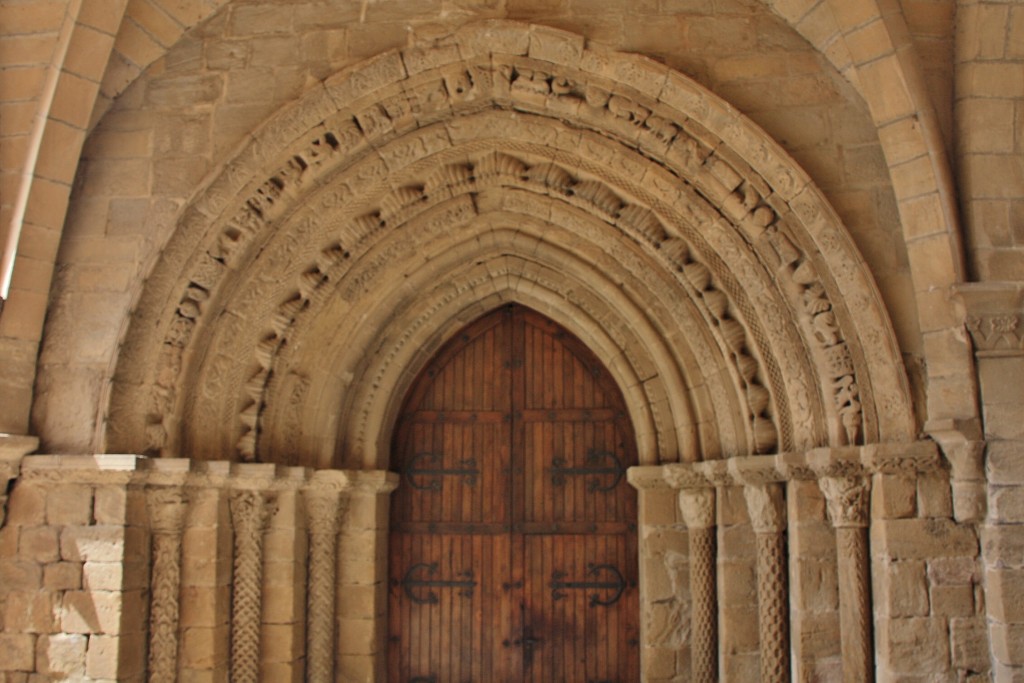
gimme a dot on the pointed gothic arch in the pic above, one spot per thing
(373, 217)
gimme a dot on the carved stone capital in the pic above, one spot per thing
(166, 507)
(766, 507)
(324, 508)
(698, 508)
(251, 511)
(848, 500)
(994, 317)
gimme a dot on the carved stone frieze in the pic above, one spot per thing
(996, 334)
(732, 195)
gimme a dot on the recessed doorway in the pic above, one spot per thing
(513, 549)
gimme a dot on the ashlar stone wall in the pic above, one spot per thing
(830, 564)
(117, 567)
(833, 564)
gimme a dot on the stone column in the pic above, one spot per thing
(363, 586)
(322, 499)
(250, 513)
(995, 320)
(166, 507)
(848, 499)
(767, 515)
(698, 508)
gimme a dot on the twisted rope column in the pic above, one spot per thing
(249, 516)
(767, 514)
(323, 505)
(848, 499)
(698, 508)
(166, 507)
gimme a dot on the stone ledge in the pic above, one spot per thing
(893, 458)
(142, 470)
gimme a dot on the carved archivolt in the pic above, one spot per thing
(407, 195)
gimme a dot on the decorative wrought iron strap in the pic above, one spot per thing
(599, 464)
(617, 584)
(426, 465)
(410, 583)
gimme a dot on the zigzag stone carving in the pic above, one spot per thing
(377, 148)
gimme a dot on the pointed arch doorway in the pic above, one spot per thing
(513, 531)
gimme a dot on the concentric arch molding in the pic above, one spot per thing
(365, 223)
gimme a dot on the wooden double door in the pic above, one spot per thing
(513, 531)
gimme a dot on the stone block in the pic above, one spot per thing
(60, 576)
(357, 636)
(358, 601)
(1004, 673)
(817, 587)
(945, 571)
(61, 653)
(885, 91)
(204, 648)
(185, 91)
(103, 576)
(102, 657)
(9, 537)
(934, 496)
(158, 24)
(38, 544)
(31, 612)
(969, 643)
(110, 505)
(658, 507)
(817, 635)
(285, 604)
(805, 502)
(953, 601)
(741, 667)
(738, 628)
(27, 506)
(280, 543)
(1004, 462)
(988, 122)
(97, 612)
(901, 590)
(736, 543)
(286, 672)
(204, 606)
(1005, 594)
(281, 642)
(1006, 504)
(94, 543)
(893, 497)
(1004, 545)
(356, 668)
(992, 374)
(667, 623)
(17, 651)
(919, 539)
(20, 574)
(1008, 643)
(913, 646)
